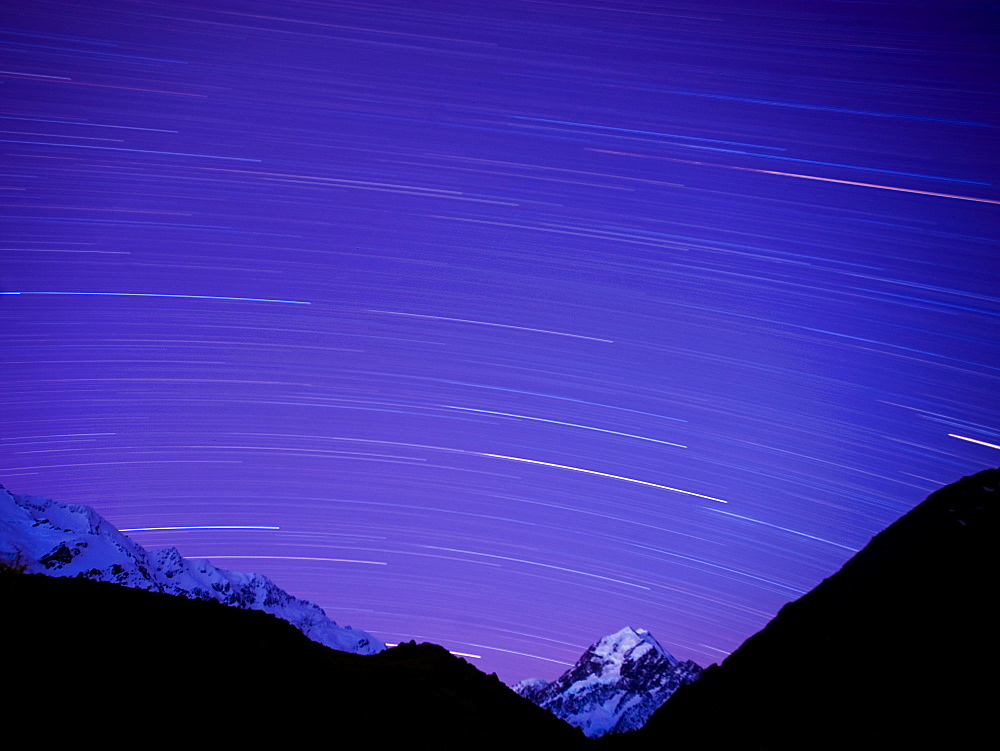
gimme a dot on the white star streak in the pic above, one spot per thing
(567, 424)
(786, 529)
(286, 558)
(600, 474)
(973, 440)
(213, 526)
(523, 654)
(488, 323)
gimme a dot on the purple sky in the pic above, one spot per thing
(521, 321)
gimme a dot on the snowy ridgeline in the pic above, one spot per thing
(69, 540)
(615, 686)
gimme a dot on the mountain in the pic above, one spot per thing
(615, 686)
(56, 539)
(90, 660)
(898, 649)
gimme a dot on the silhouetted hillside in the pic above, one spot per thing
(84, 659)
(895, 651)
(898, 650)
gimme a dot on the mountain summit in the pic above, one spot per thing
(46, 537)
(615, 685)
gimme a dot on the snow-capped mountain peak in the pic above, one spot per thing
(615, 685)
(629, 644)
(59, 539)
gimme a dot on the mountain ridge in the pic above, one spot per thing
(57, 539)
(895, 650)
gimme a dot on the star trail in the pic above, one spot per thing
(503, 325)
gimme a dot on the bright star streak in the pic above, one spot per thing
(160, 529)
(284, 558)
(785, 529)
(457, 654)
(973, 440)
(600, 474)
(567, 424)
(806, 177)
(153, 294)
(522, 654)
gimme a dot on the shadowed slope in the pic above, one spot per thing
(80, 655)
(896, 650)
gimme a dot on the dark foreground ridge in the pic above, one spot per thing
(897, 650)
(85, 659)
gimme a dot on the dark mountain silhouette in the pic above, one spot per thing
(83, 659)
(897, 650)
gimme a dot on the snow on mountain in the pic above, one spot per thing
(615, 686)
(71, 540)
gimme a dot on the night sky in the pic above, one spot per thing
(503, 325)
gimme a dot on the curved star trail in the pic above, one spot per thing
(461, 320)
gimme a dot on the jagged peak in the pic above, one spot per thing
(617, 683)
(626, 641)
